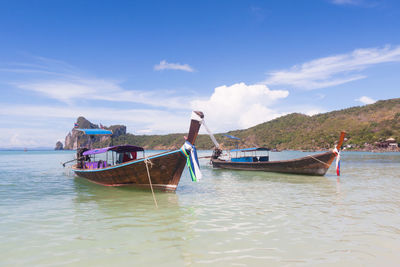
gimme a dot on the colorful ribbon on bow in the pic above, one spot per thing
(190, 152)
(337, 161)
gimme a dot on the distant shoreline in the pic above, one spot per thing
(299, 150)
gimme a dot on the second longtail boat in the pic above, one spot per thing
(317, 164)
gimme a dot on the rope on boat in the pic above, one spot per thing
(337, 154)
(319, 160)
(147, 161)
(210, 134)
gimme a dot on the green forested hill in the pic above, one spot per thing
(365, 124)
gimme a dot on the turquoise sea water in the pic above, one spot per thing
(230, 218)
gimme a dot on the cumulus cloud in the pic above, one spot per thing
(164, 65)
(333, 70)
(366, 100)
(239, 106)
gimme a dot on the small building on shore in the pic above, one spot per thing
(392, 143)
(389, 143)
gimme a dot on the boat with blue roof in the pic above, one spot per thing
(127, 165)
(251, 160)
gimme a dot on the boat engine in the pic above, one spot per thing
(216, 153)
(80, 157)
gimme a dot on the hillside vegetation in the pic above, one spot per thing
(365, 124)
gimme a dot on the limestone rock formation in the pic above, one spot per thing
(59, 146)
(76, 138)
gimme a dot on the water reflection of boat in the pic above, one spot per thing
(136, 225)
(162, 171)
(317, 164)
(118, 198)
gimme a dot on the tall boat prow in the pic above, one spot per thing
(317, 164)
(124, 168)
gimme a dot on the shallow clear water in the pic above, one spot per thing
(230, 218)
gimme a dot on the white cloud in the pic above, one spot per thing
(366, 100)
(313, 111)
(360, 3)
(98, 89)
(333, 70)
(239, 106)
(61, 81)
(307, 109)
(346, 2)
(164, 65)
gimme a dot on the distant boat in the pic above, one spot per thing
(317, 164)
(25, 150)
(162, 171)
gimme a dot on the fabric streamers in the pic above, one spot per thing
(190, 152)
(338, 164)
(337, 161)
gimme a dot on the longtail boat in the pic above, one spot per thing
(160, 171)
(317, 164)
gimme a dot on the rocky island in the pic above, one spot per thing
(59, 146)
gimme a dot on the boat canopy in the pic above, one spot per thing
(118, 149)
(231, 136)
(251, 149)
(95, 131)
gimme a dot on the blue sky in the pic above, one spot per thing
(147, 64)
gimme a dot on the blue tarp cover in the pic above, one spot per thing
(95, 131)
(242, 159)
(231, 137)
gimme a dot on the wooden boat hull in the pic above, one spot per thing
(165, 170)
(310, 165)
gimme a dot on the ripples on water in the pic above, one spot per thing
(236, 218)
